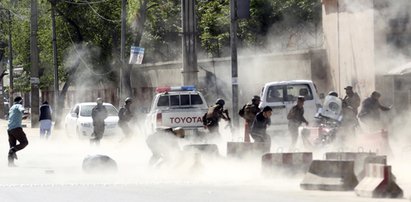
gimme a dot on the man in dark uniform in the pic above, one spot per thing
(45, 120)
(164, 144)
(248, 112)
(259, 126)
(295, 119)
(125, 115)
(370, 111)
(214, 114)
(98, 113)
(352, 99)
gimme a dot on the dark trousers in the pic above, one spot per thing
(293, 131)
(97, 133)
(213, 129)
(125, 128)
(247, 131)
(17, 134)
(265, 138)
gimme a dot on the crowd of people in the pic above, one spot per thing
(256, 122)
(18, 139)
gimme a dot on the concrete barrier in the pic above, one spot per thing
(309, 136)
(378, 183)
(377, 141)
(359, 159)
(330, 176)
(99, 163)
(292, 163)
(246, 149)
(210, 149)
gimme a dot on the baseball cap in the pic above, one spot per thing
(348, 88)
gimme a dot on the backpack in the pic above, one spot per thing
(248, 112)
(211, 118)
(241, 112)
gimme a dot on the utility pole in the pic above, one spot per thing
(34, 58)
(188, 20)
(11, 74)
(2, 46)
(123, 48)
(234, 65)
(55, 62)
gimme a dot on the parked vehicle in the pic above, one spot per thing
(181, 106)
(79, 122)
(281, 96)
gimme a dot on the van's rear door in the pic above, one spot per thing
(276, 100)
(293, 91)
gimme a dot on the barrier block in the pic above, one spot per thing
(309, 135)
(330, 175)
(99, 163)
(359, 159)
(210, 149)
(377, 141)
(246, 149)
(292, 163)
(378, 183)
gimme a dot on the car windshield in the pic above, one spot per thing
(86, 110)
(280, 93)
(179, 100)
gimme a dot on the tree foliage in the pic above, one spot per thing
(88, 32)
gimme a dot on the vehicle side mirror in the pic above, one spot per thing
(73, 114)
(322, 96)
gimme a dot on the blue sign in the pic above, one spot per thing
(136, 55)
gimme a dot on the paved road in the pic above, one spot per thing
(50, 170)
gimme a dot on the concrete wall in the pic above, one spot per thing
(253, 72)
(365, 39)
(349, 40)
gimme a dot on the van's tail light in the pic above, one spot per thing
(159, 118)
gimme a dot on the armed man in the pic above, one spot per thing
(248, 113)
(213, 116)
(370, 111)
(125, 115)
(98, 113)
(352, 99)
(295, 119)
(164, 144)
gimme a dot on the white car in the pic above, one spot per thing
(281, 96)
(79, 122)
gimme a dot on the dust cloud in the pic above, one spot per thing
(58, 159)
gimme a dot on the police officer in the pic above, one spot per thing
(259, 126)
(248, 113)
(45, 120)
(125, 115)
(370, 111)
(15, 130)
(98, 114)
(213, 116)
(352, 99)
(164, 144)
(295, 119)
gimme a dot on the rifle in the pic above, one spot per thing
(229, 120)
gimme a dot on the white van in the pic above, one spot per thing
(282, 96)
